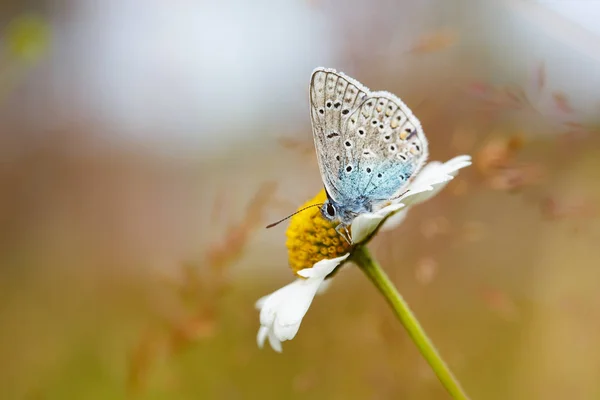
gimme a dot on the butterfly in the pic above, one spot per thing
(369, 145)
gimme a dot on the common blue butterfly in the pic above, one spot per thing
(369, 145)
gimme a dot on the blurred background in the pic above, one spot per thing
(144, 145)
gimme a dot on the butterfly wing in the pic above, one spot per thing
(385, 147)
(369, 144)
(334, 97)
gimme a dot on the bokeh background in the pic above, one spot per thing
(144, 145)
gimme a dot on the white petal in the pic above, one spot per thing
(272, 303)
(261, 302)
(294, 307)
(452, 166)
(322, 268)
(263, 331)
(282, 311)
(274, 342)
(287, 330)
(433, 178)
(365, 224)
(420, 192)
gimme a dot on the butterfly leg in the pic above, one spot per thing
(342, 229)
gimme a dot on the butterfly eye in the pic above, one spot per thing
(330, 210)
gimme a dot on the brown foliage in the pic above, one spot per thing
(497, 163)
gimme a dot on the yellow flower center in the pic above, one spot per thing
(311, 238)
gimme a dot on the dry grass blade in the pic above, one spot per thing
(199, 294)
(516, 95)
(233, 245)
(517, 177)
(496, 161)
(142, 358)
(539, 77)
(554, 208)
(562, 102)
(304, 148)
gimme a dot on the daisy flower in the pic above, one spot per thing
(316, 250)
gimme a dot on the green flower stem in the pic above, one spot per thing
(362, 257)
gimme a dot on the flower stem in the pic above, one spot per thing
(363, 258)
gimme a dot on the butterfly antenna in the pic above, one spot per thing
(291, 215)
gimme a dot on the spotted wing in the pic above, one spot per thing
(334, 97)
(384, 146)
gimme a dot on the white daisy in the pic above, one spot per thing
(282, 311)
(316, 250)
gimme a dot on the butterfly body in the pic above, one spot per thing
(368, 144)
(345, 212)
